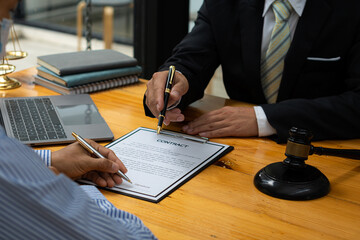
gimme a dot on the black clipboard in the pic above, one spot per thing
(158, 164)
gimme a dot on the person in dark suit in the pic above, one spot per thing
(320, 84)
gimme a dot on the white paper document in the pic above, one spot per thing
(160, 163)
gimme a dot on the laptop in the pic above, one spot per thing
(49, 120)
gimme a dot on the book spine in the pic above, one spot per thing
(90, 77)
(87, 88)
(107, 84)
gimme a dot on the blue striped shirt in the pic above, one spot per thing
(45, 155)
(37, 204)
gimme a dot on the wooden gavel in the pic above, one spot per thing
(299, 147)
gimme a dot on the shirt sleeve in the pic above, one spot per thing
(132, 223)
(38, 204)
(264, 127)
(45, 155)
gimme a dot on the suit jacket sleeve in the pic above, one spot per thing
(335, 117)
(196, 58)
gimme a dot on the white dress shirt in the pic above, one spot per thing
(264, 127)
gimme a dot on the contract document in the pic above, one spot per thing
(158, 164)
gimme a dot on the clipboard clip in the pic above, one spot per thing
(185, 136)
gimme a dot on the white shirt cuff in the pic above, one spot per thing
(264, 127)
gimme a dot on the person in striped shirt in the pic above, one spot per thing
(35, 203)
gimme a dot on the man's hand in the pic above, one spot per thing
(225, 122)
(75, 162)
(155, 95)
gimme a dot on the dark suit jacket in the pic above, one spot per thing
(321, 96)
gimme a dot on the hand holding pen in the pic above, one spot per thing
(168, 85)
(92, 150)
(154, 96)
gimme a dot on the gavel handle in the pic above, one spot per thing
(346, 153)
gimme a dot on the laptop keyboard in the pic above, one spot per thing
(34, 119)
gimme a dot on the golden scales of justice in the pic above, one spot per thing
(6, 68)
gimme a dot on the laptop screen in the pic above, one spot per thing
(79, 114)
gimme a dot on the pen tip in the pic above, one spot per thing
(158, 129)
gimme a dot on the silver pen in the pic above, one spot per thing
(92, 150)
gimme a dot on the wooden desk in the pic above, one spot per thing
(222, 202)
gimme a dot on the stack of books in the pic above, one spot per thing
(86, 71)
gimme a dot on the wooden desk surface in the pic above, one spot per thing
(221, 202)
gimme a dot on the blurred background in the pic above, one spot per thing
(145, 29)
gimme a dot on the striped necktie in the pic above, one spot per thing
(273, 64)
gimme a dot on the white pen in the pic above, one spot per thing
(92, 150)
